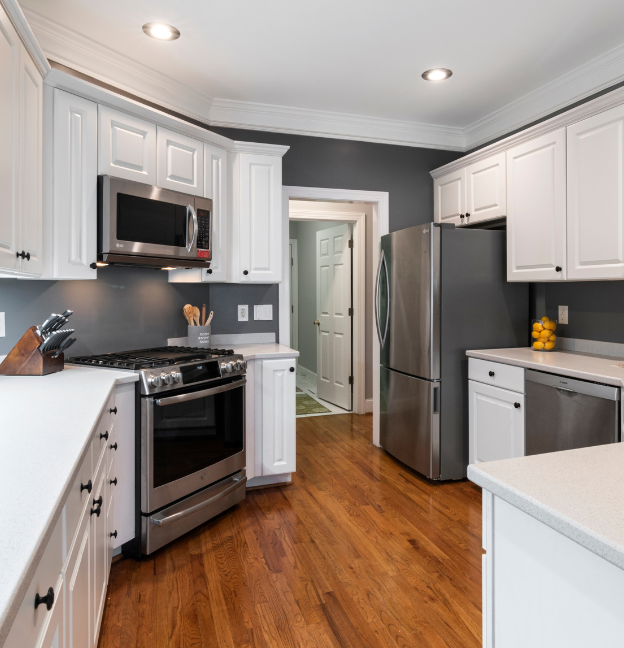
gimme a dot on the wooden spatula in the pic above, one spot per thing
(196, 315)
(203, 319)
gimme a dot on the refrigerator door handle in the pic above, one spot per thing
(384, 265)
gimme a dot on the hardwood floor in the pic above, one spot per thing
(358, 552)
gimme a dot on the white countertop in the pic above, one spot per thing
(579, 493)
(46, 423)
(567, 363)
(264, 351)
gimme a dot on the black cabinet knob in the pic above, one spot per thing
(113, 534)
(245, 272)
(113, 410)
(209, 270)
(114, 446)
(292, 369)
(467, 215)
(23, 255)
(113, 482)
(558, 269)
(97, 509)
(48, 599)
(88, 486)
(104, 435)
(461, 216)
(491, 374)
(517, 405)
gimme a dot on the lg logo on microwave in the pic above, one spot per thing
(119, 244)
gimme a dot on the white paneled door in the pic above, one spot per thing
(180, 162)
(449, 197)
(536, 209)
(486, 194)
(595, 196)
(333, 303)
(216, 188)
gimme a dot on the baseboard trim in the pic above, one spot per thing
(266, 481)
(305, 373)
(368, 406)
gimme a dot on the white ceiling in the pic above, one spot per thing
(511, 61)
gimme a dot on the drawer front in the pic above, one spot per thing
(28, 622)
(496, 374)
(77, 500)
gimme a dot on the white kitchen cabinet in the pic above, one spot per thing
(79, 596)
(486, 189)
(278, 416)
(536, 209)
(180, 162)
(99, 565)
(595, 214)
(256, 252)
(496, 423)
(71, 231)
(449, 198)
(216, 174)
(126, 146)
(53, 632)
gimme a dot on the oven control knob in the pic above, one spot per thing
(244, 364)
(154, 381)
(177, 376)
(167, 378)
(227, 366)
(237, 365)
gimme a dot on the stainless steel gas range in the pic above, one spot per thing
(190, 441)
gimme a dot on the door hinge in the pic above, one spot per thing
(292, 262)
(350, 380)
(350, 312)
(292, 308)
(350, 243)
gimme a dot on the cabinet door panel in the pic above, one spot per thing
(496, 424)
(79, 589)
(9, 136)
(75, 186)
(215, 187)
(278, 417)
(31, 161)
(595, 197)
(180, 162)
(52, 634)
(536, 209)
(127, 146)
(486, 189)
(99, 543)
(449, 197)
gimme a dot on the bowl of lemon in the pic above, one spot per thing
(544, 334)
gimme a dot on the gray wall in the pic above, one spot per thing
(128, 308)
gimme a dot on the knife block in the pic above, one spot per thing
(25, 359)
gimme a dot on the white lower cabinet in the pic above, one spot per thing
(79, 595)
(53, 633)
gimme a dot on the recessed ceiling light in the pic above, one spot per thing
(437, 74)
(161, 31)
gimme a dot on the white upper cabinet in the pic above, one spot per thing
(180, 162)
(127, 146)
(486, 189)
(595, 197)
(73, 246)
(449, 198)
(536, 209)
(257, 225)
(216, 188)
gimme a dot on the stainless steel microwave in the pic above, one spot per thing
(141, 225)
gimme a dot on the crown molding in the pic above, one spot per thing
(598, 74)
(70, 48)
(16, 16)
(319, 123)
(259, 149)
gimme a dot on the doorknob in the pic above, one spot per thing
(317, 322)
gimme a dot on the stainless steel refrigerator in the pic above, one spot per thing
(440, 292)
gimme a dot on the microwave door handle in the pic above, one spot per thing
(200, 394)
(191, 210)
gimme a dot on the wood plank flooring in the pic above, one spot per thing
(358, 552)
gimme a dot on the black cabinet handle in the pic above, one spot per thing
(292, 369)
(245, 272)
(114, 446)
(104, 435)
(113, 410)
(467, 215)
(113, 534)
(88, 486)
(23, 255)
(98, 503)
(48, 599)
(491, 374)
(558, 269)
(461, 216)
(113, 482)
(209, 270)
(517, 405)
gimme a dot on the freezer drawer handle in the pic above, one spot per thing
(517, 405)
(160, 520)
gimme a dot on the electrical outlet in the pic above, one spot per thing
(243, 313)
(263, 312)
(2, 327)
(562, 315)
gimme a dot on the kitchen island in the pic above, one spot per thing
(553, 532)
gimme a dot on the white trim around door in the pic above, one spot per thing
(294, 294)
(380, 201)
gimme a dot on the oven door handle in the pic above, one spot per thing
(201, 394)
(161, 520)
(190, 210)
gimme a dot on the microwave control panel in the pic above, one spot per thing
(203, 227)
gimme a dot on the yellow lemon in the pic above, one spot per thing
(545, 334)
(538, 327)
(549, 345)
(535, 334)
(538, 344)
(552, 338)
(544, 319)
(551, 326)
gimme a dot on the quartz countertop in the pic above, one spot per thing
(602, 369)
(579, 493)
(264, 351)
(46, 424)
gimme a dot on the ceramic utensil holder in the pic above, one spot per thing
(199, 336)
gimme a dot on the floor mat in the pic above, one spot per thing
(299, 390)
(307, 405)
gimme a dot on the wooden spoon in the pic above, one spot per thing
(196, 315)
(203, 319)
(188, 313)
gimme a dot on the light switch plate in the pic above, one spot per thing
(263, 312)
(562, 315)
(2, 327)
(243, 313)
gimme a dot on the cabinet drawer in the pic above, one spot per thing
(28, 622)
(496, 374)
(76, 501)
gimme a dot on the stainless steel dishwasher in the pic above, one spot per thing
(564, 413)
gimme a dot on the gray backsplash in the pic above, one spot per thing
(129, 308)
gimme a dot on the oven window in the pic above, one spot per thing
(195, 434)
(143, 220)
